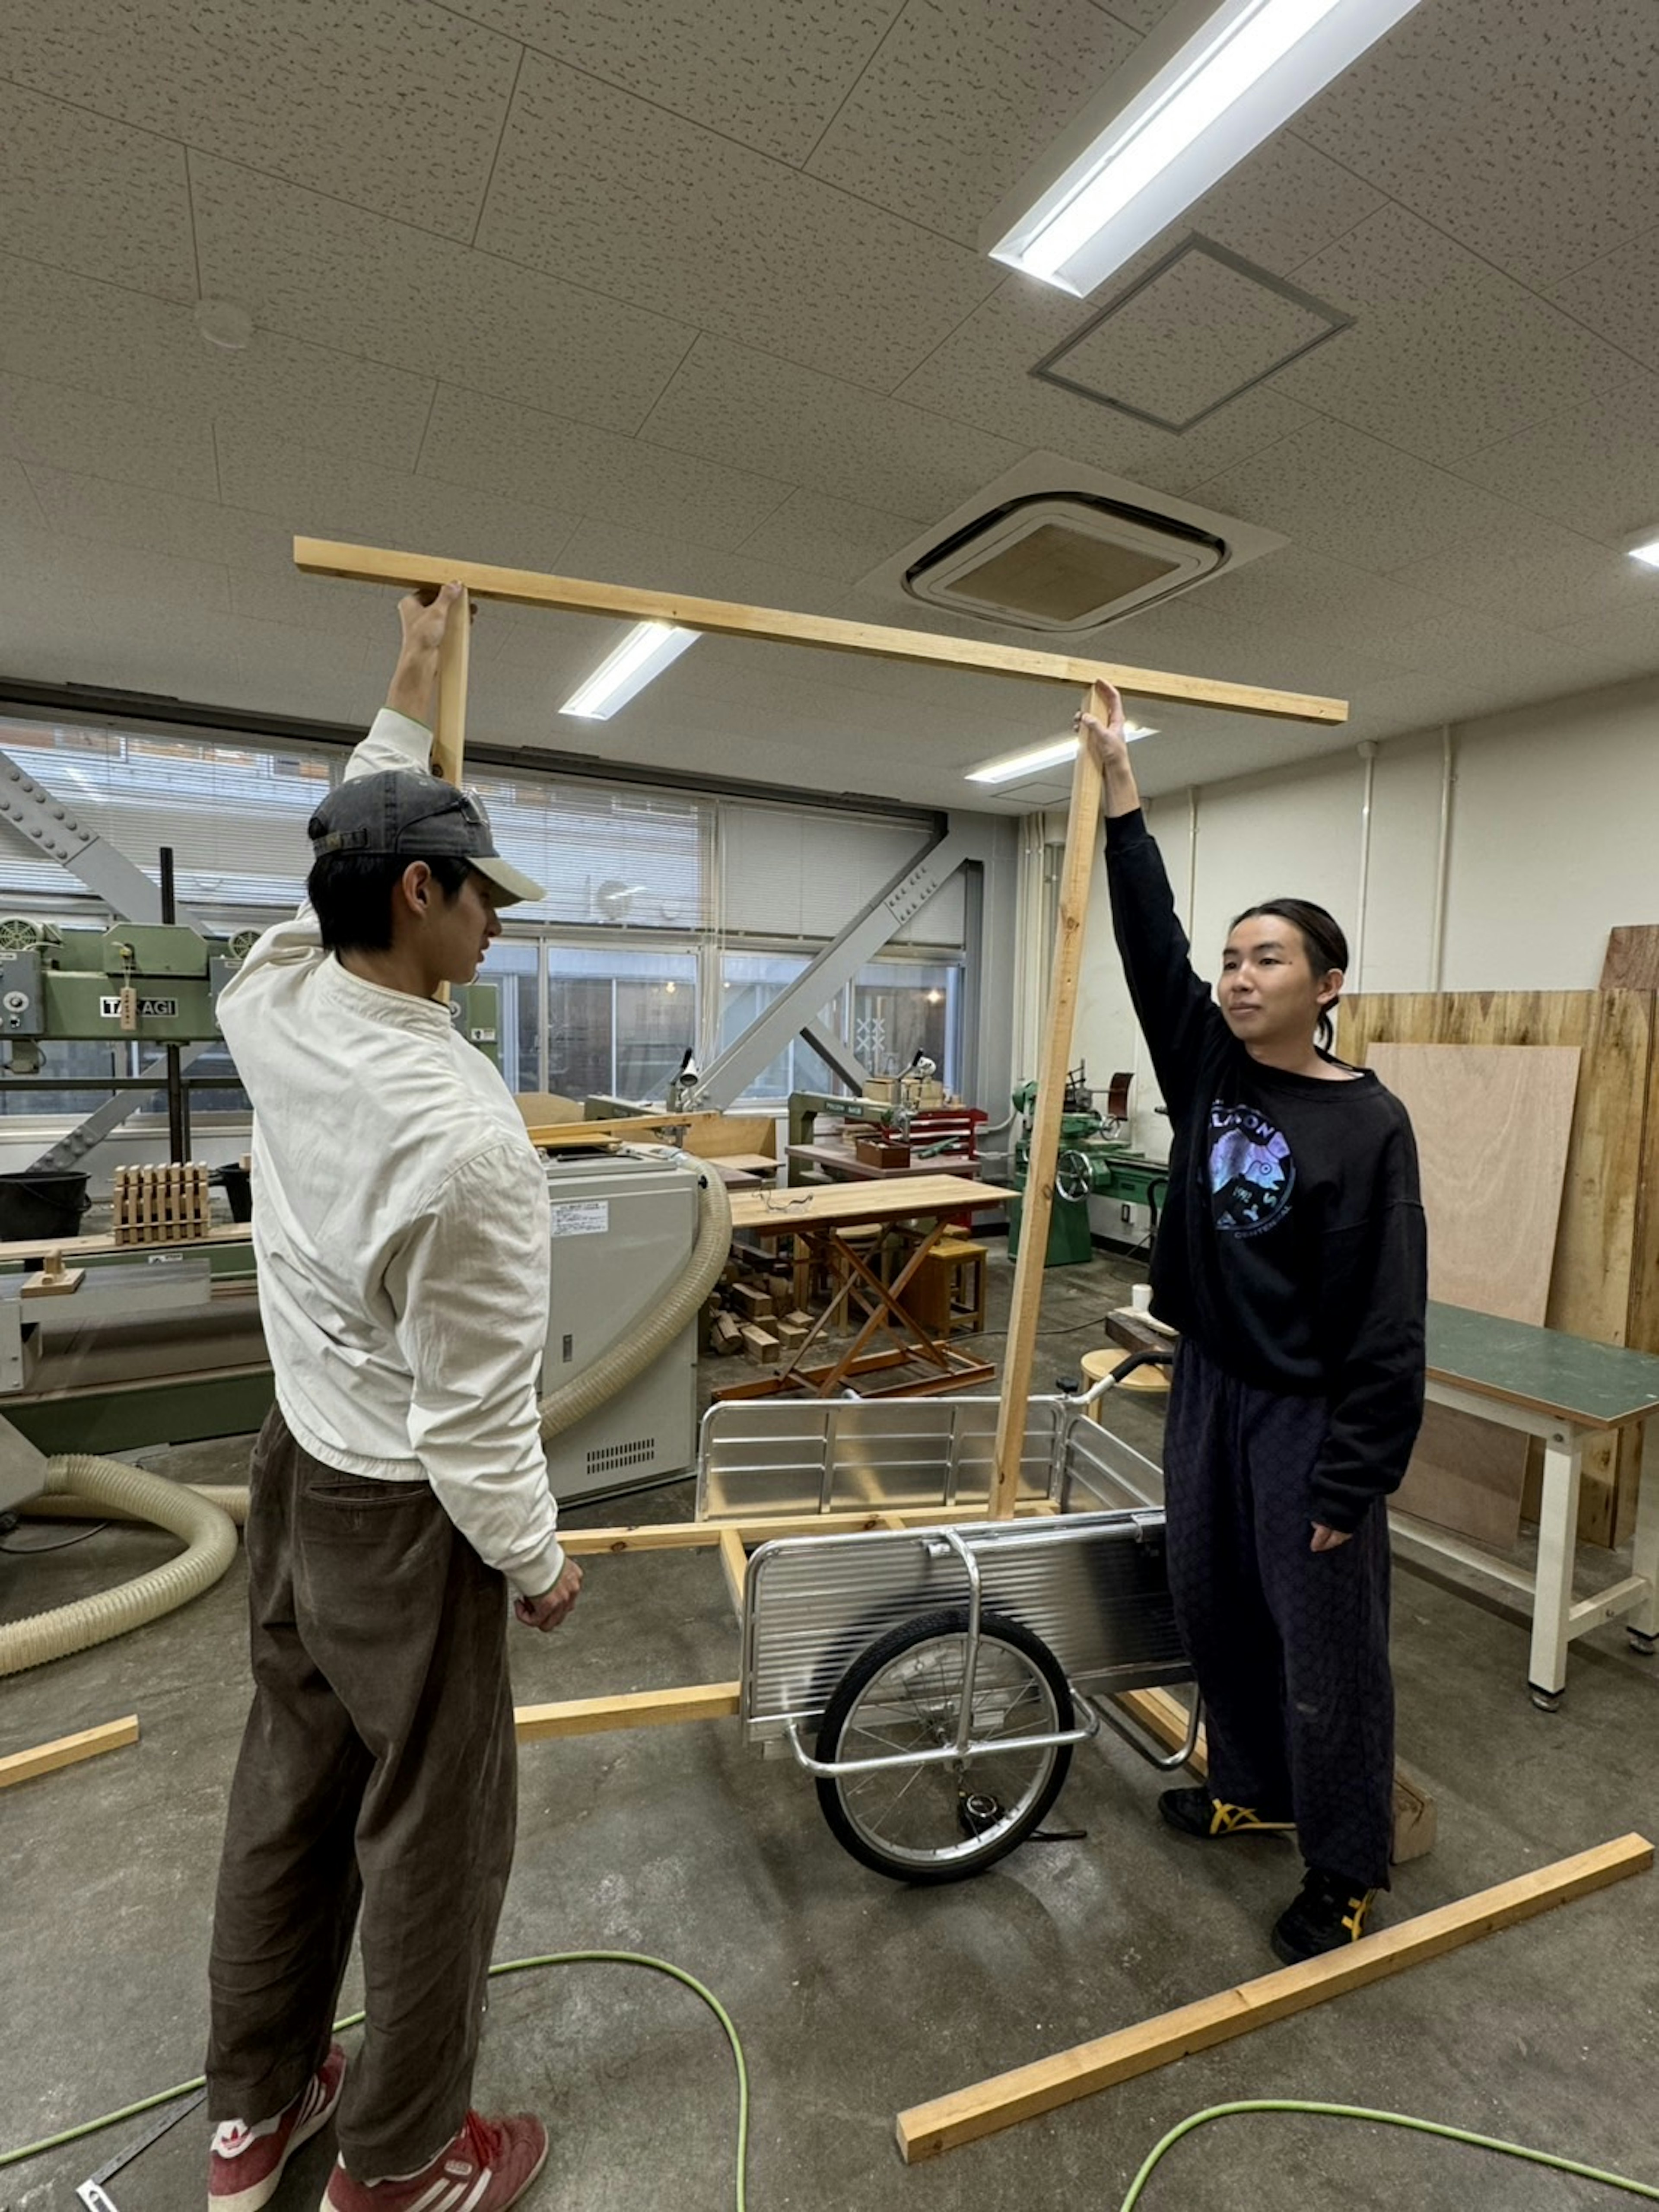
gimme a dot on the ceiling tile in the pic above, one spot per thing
(963, 98)
(340, 277)
(1141, 15)
(606, 191)
(1472, 647)
(319, 496)
(86, 194)
(495, 447)
(393, 108)
(54, 426)
(159, 521)
(99, 337)
(1619, 297)
(1312, 594)
(1334, 491)
(18, 505)
(1540, 576)
(1282, 203)
(833, 538)
(1596, 469)
(1522, 128)
(322, 606)
(36, 598)
(135, 578)
(610, 554)
(739, 407)
(1190, 337)
(981, 374)
(769, 77)
(1630, 637)
(228, 661)
(1447, 355)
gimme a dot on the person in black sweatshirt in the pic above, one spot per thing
(1292, 1258)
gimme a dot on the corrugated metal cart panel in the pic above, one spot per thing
(1090, 1585)
(850, 1454)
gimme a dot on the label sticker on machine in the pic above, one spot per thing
(590, 1219)
(149, 1010)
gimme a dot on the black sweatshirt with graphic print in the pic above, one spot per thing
(1292, 1248)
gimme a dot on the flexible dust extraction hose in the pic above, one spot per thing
(206, 1516)
(109, 1485)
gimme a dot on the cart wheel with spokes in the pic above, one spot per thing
(951, 1817)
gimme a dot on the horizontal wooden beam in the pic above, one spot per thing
(527, 587)
(693, 1536)
(963, 2117)
(693, 1701)
(68, 1750)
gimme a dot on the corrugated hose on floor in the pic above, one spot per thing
(207, 1516)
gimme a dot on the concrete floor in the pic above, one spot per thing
(855, 1996)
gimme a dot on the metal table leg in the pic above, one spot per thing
(1643, 1623)
(1557, 1536)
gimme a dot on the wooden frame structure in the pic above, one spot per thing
(368, 564)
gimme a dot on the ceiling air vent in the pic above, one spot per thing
(1062, 563)
(1058, 548)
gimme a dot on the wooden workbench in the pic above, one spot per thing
(819, 1215)
(840, 1160)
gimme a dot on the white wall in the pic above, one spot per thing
(1554, 841)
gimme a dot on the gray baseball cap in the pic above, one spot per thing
(397, 815)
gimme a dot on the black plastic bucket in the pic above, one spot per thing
(34, 1205)
(239, 1189)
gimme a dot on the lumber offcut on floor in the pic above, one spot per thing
(856, 1999)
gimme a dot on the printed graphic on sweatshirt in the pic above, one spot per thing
(1252, 1174)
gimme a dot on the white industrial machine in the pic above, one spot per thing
(623, 1227)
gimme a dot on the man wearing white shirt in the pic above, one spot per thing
(399, 1487)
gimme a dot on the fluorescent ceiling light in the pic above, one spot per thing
(646, 651)
(1016, 768)
(1204, 90)
(1648, 551)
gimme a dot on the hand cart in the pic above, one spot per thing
(941, 1675)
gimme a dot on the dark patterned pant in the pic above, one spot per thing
(1290, 1646)
(378, 1767)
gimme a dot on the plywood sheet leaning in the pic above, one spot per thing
(1606, 1282)
(1633, 958)
(1493, 1125)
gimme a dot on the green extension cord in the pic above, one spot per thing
(510, 1966)
(1387, 2119)
(1136, 2187)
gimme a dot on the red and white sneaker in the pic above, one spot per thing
(246, 2163)
(489, 2166)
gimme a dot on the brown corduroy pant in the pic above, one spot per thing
(379, 1770)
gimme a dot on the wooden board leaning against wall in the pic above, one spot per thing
(1605, 1282)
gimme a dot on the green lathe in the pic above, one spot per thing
(1095, 1161)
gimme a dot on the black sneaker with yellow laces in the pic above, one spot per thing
(1195, 1813)
(1329, 1911)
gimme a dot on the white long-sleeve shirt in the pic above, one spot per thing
(401, 1224)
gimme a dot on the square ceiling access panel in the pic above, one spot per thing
(1198, 330)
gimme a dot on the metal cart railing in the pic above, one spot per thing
(935, 1679)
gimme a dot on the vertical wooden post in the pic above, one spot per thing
(1082, 834)
(449, 738)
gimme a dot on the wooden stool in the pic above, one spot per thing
(950, 1293)
(1153, 1381)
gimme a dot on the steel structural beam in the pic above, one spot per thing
(830, 1049)
(731, 1075)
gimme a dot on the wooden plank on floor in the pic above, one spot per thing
(1043, 2087)
(692, 1701)
(68, 1750)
